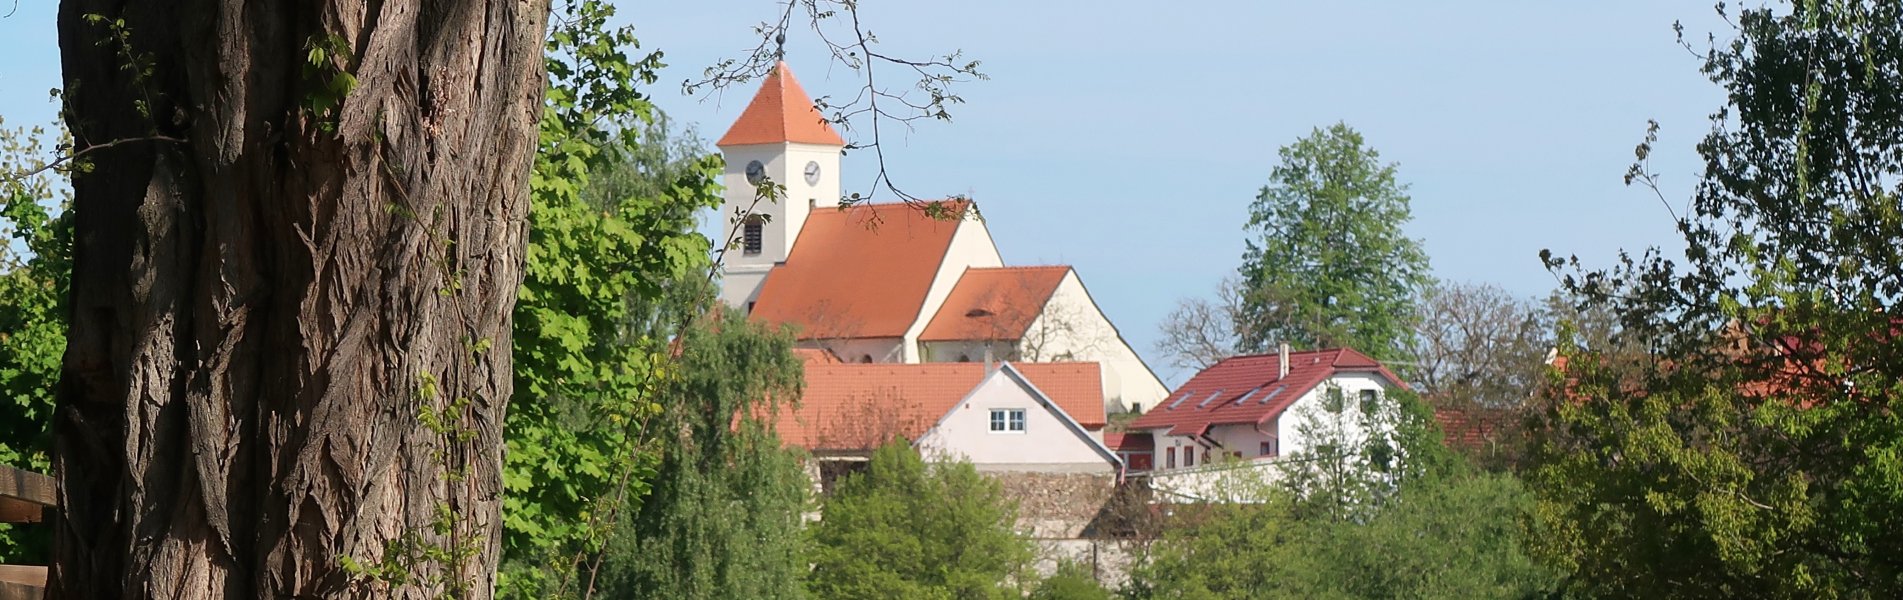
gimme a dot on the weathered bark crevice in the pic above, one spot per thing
(264, 313)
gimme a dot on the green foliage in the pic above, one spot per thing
(1752, 445)
(1355, 515)
(1328, 264)
(723, 517)
(590, 346)
(35, 270)
(905, 529)
(1072, 581)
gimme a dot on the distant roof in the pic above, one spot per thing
(857, 406)
(995, 303)
(1244, 389)
(780, 112)
(859, 272)
(1130, 441)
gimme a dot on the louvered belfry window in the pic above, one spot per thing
(752, 238)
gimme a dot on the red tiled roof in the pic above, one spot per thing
(850, 276)
(1468, 428)
(1244, 389)
(780, 112)
(996, 303)
(857, 406)
(1135, 441)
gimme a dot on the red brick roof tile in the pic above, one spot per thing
(1245, 389)
(851, 276)
(780, 112)
(997, 303)
(857, 406)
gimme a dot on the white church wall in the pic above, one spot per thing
(785, 165)
(971, 246)
(1073, 327)
(1047, 444)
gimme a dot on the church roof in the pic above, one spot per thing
(780, 112)
(996, 303)
(858, 272)
(848, 406)
(1246, 389)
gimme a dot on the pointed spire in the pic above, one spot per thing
(780, 112)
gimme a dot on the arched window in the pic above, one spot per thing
(865, 358)
(753, 235)
(964, 358)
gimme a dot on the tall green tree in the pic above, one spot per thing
(1328, 263)
(907, 529)
(35, 272)
(1753, 446)
(611, 223)
(723, 517)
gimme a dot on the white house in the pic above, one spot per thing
(1007, 424)
(886, 283)
(1249, 408)
(1034, 417)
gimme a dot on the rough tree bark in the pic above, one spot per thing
(270, 303)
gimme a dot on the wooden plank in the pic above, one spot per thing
(27, 485)
(20, 511)
(22, 582)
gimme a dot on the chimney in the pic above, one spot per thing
(1282, 365)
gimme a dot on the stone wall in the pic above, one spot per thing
(1056, 505)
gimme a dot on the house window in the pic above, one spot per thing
(1370, 400)
(1270, 447)
(865, 358)
(1189, 456)
(1332, 400)
(1007, 420)
(753, 235)
(1169, 458)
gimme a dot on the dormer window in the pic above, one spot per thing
(753, 235)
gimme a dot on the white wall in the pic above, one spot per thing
(1072, 324)
(1047, 444)
(971, 246)
(785, 165)
(882, 350)
(1292, 438)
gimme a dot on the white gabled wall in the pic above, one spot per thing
(971, 246)
(1072, 327)
(1287, 428)
(1047, 444)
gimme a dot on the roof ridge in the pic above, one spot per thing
(1020, 268)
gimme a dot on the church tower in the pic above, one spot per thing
(780, 138)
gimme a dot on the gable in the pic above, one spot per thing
(855, 407)
(858, 272)
(1050, 441)
(1250, 389)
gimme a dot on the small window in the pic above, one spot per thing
(1370, 400)
(1007, 420)
(1189, 456)
(753, 235)
(1332, 400)
(1270, 447)
(865, 358)
(1169, 458)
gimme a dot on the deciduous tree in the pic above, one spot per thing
(1751, 448)
(1328, 263)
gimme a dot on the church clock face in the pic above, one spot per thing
(812, 172)
(756, 172)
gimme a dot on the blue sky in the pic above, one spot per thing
(1128, 138)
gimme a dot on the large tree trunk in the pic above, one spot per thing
(273, 306)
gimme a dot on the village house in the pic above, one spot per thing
(1248, 408)
(888, 283)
